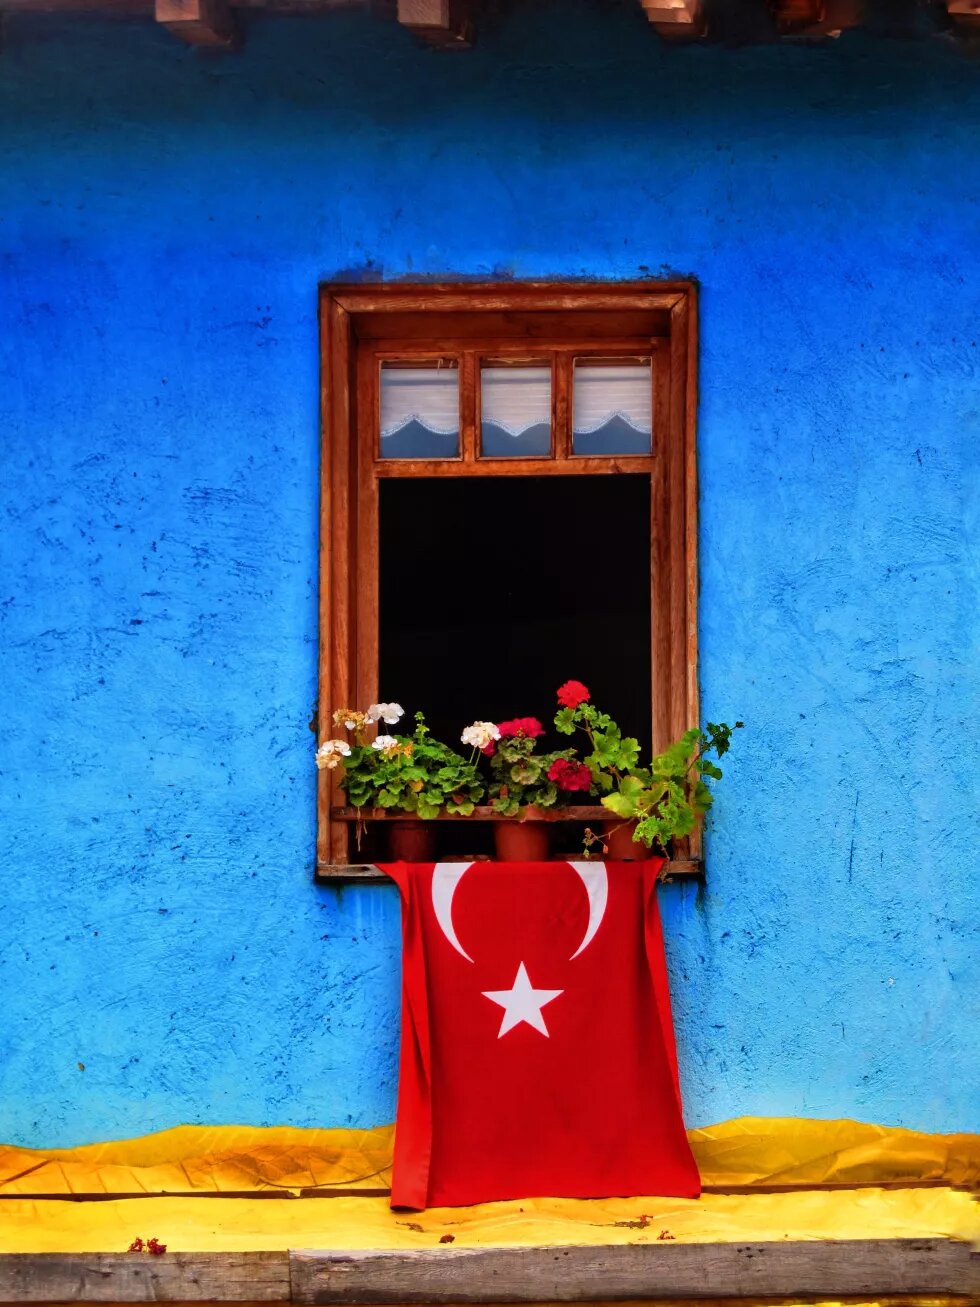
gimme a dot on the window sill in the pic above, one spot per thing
(365, 873)
(358, 873)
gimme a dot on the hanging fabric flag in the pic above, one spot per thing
(537, 1049)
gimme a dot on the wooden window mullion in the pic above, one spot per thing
(469, 373)
(561, 422)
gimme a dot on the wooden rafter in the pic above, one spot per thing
(793, 15)
(446, 24)
(198, 22)
(816, 18)
(677, 20)
(145, 8)
(964, 14)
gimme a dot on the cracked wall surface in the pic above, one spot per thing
(164, 222)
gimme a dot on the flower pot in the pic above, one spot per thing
(412, 841)
(620, 845)
(525, 838)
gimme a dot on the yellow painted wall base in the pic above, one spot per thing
(277, 1163)
(746, 1151)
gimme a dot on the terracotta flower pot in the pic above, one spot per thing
(618, 839)
(525, 838)
(412, 841)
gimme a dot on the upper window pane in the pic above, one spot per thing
(515, 408)
(420, 411)
(613, 407)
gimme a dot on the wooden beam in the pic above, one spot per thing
(130, 1277)
(206, 23)
(111, 8)
(820, 1268)
(445, 24)
(639, 1272)
(816, 19)
(964, 15)
(793, 15)
(676, 20)
(145, 8)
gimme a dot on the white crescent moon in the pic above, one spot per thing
(445, 877)
(596, 884)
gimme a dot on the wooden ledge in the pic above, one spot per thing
(138, 1277)
(550, 1274)
(361, 873)
(358, 873)
(831, 1268)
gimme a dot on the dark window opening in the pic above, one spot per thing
(493, 591)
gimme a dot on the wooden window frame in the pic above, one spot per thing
(359, 326)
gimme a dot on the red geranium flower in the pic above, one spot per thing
(572, 693)
(570, 775)
(489, 749)
(529, 726)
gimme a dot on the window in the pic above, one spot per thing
(528, 447)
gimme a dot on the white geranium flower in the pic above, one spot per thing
(330, 753)
(350, 718)
(389, 713)
(384, 742)
(480, 734)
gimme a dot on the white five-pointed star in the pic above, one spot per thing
(522, 1002)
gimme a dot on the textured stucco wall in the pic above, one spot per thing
(164, 222)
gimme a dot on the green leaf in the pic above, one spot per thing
(602, 779)
(703, 798)
(653, 831)
(565, 721)
(631, 786)
(621, 804)
(462, 809)
(675, 758)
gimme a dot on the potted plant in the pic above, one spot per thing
(526, 786)
(414, 774)
(612, 756)
(653, 805)
(668, 799)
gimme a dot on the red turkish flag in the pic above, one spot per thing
(537, 1051)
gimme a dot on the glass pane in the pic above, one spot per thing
(515, 407)
(613, 408)
(420, 411)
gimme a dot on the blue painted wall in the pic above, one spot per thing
(164, 222)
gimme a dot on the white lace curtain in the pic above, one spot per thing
(516, 399)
